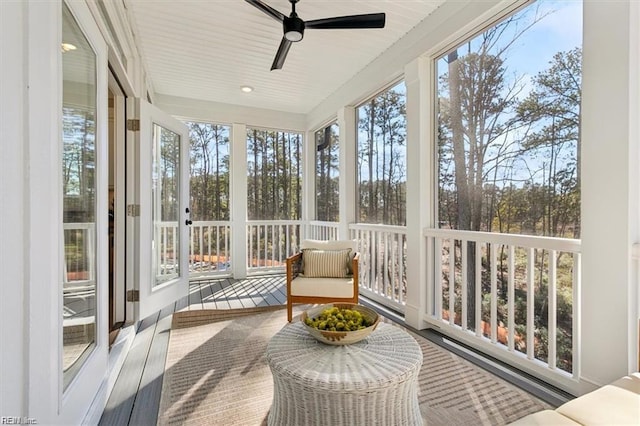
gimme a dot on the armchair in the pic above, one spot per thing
(323, 272)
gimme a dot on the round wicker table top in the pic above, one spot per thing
(387, 356)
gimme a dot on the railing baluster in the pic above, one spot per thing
(511, 299)
(384, 241)
(163, 251)
(202, 251)
(464, 284)
(227, 248)
(192, 249)
(438, 278)
(452, 280)
(210, 235)
(553, 309)
(372, 260)
(575, 315)
(530, 303)
(274, 245)
(478, 289)
(493, 249)
(402, 297)
(176, 260)
(91, 231)
(249, 260)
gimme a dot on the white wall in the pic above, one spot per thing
(13, 346)
(609, 190)
(197, 110)
(43, 210)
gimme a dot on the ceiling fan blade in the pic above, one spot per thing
(370, 20)
(267, 9)
(278, 61)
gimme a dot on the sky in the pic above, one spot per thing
(559, 30)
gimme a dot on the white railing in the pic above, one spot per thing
(270, 242)
(166, 264)
(79, 270)
(317, 230)
(500, 293)
(382, 263)
(209, 248)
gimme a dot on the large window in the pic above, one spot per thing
(327, 169)
(509, 125)
(509, 162)
(209, 171)
(274, 179)
(79, 187)
(382, 159)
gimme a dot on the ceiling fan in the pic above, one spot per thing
(294, 26)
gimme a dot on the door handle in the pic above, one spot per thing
(188, 222)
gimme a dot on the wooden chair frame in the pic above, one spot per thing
(294, 267)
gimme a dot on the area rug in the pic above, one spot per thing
(216, 374)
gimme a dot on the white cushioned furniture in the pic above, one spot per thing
(615, 404)
(333, 270)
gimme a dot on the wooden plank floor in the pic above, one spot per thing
(135, 398)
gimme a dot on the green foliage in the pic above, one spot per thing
(209, 167)
(327, 170)
(274, 175)
(381, 168)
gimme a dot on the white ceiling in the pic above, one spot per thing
(207, 49)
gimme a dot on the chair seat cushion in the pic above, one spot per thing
(546, 417)
(614, 404)
(322, 287)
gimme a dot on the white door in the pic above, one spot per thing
(158, 208)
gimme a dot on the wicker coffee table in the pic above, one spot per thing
(372, 382)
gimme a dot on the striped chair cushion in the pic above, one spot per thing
(326, 263)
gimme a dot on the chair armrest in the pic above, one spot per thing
(354, 265)
(294, 265)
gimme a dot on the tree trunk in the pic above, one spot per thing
(461, 180)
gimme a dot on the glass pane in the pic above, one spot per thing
(274, 193)
(382, 158)
(209, 184)
(509, 158)
(210, 240)
(509, 125)
(79, 196)
(165, 187)
(327, 169)
(274, 175)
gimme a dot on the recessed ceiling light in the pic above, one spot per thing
(246, 89)
(67, 47)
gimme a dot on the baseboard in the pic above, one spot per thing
(117, 355)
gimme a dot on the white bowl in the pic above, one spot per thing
(341, 337)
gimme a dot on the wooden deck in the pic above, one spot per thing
(135, 398)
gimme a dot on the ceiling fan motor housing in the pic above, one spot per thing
(293, 28)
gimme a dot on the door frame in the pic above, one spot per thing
(147, 297)
(74, 401)
(117, 130)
